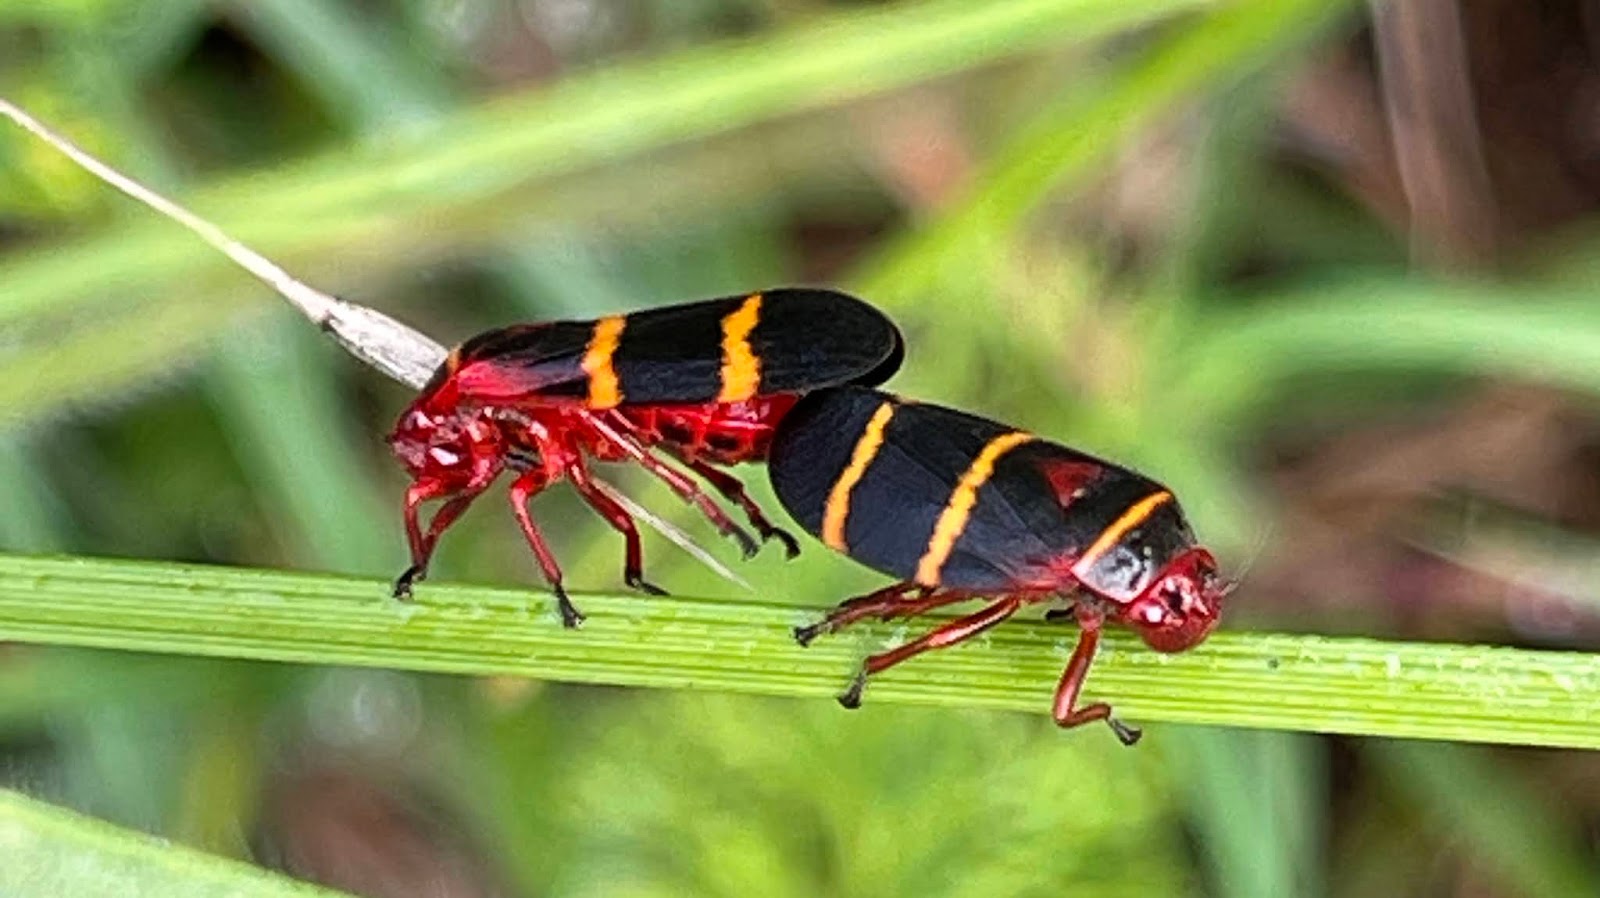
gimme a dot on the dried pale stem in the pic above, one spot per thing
(394, 349)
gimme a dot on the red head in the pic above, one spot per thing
(447, 447)
(416, 434)
(1181, 606)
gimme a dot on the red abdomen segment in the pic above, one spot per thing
(719, 433)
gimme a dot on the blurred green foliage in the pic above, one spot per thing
(471, 163)
(52, 851)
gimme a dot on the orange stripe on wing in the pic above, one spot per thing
(837, 512)
(605, 391)
(1133, 517)
(958, 509)
(741, 368)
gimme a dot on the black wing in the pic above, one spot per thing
(780, 341)
(893, 504)
(514, 362)
(1037, 506)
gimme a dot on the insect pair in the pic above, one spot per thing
(954, 506)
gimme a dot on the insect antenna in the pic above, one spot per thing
(1232, 583)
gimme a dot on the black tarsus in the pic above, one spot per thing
(571, 617)
(851, 696)
(636, 580)
(1127, 735)
(403, 583)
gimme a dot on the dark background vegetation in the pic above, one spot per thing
(1328, 270)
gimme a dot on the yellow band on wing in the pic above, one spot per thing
(605, 391)
(953, 519)
(741, 368)
(837, 512)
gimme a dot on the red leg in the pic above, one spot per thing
(685, 488)
(618, 518)
(945, 635)
(887, 604)
(422, 546)
(1072, 683)
(525, 487)
(733, 490)
(417, 494)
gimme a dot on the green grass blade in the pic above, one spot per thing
(72, 360)
(1255, 801)
(50, 852)
(619, 111)
(1240, 359)
(1069, 145)
(1275, 681)
(273, 389)
(93, 361)
(35, 520)
(351, 61)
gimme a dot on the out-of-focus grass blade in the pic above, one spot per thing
(622, 110)
(71, 683)
(877, 820)
(98, 362)
(275, 393)
(474, 158)
(1496, 820)
(546, 275)
(352, 61)
(1235, 360)
(50, 852)
(1066, 147)
(60, 361)
(1256, 801)
(155, 35)
(220, 787)
(1528, 552)
(33, 520)
(1222, 183)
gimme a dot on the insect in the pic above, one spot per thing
(703, 382)
(958, 507)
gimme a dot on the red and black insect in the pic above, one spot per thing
(704, 382)
(960, 507)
